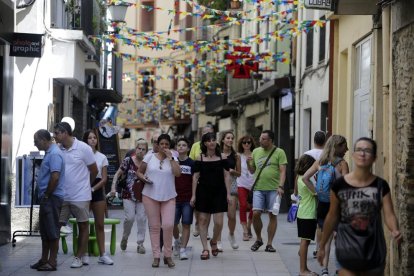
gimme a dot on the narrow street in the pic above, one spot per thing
(15, 261)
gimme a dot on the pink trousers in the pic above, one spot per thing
(160, 214)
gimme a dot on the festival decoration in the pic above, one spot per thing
(242, 62)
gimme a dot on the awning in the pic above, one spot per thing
(104, 95)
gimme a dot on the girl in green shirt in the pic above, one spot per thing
(306, 216)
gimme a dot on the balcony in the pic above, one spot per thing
(240, 89)
(217, 105)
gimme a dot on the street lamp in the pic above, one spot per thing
(117, 12)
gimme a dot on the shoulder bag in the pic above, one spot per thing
(250, 195)
(362, 250)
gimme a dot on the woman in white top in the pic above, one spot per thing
(98, 198)
(245, 181)
(158, 171)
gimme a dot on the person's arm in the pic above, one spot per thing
(390, 218)
(236, 172)
(251, 166)
(282, 179)
(227, 181)
(176, 170)
(308, 174)
(103, 181)
(51, 186)
(329, 225)
(196, 175)
(93, 171)
(295, 187)
(343, 167)
(119, 173)
(141, 173)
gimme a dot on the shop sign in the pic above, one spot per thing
(318, 4)
(26, 45)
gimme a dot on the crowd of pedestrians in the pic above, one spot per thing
(168, 185)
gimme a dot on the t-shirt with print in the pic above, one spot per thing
(101, 161)
(269, 178)
(307, 205)
(184, 183)
(358, 205)
(128, 167)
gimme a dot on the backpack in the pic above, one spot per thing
(325, 178)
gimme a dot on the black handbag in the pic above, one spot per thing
(250, 194)
(362, 250)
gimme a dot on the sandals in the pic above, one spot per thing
(246, 237)
(205, 255)
(46, 267)
(215, 251)
(256, 245)
(38, 264)
(269, 248)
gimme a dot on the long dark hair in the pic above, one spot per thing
(209, 137)
(86, 135)
(303, 164)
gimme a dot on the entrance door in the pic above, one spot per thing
(362, 90)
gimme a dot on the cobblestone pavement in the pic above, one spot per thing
(16, 260)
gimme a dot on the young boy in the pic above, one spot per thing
(183, 209)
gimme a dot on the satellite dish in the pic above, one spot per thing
(70, 121)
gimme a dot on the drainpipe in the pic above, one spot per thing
(386, 89)
(298, 91)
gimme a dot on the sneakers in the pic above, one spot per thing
(124, 244)
(176, 247)
(140, 249)
(183, 254)
(325, 272)
(76, 263)
(233, 242)
(66, 229)
(85, 260)
(104, 259)
(219, 246)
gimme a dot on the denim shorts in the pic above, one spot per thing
(264, 200)
(183, 211)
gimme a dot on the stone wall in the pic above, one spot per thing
(403, 91)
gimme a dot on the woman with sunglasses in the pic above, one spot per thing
(158, 171)
(356, 202)
(98, 199)
(245, 181)
(133, 208)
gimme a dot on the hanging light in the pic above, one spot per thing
(117, 12)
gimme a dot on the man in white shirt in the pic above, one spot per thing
(80, 172)
(319, 140)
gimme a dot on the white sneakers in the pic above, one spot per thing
(233, 242)
(85, 260)
(104, 259)
(66, 229)
(140, 249)
(176, 247)
(219, 246)
(76, 263)
(183, 254)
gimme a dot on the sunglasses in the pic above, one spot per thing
(247, 142)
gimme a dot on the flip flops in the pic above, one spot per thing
(37, 264)
(46, 267)
(269, 248)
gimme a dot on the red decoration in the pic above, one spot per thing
(242, 63)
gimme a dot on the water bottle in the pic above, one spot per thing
(276, 206)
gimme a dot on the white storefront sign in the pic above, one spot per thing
(318, 4)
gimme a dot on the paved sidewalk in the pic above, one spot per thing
(16, 260)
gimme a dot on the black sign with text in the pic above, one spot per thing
(26, 45)
(109, 146)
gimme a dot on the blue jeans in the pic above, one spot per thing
(264, 200)
(183, 211)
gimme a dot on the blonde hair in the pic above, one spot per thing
(329, 153)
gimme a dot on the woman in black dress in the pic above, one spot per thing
(211, 191)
